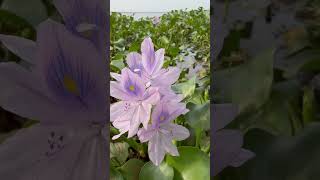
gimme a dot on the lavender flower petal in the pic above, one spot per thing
(155, 149)
(73, 70)
(134, 62)
(148, 55)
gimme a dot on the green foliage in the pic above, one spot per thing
(131, 169)
(118, 153)
(247, 85)
(182, 34)
(34, 11)
(151, 172)
(276, 90)
(191, 164)
(179, 32)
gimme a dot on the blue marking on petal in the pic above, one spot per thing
(69, 82)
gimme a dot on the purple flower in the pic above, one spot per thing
(136, 104)
(66, 83)
(65, 90)
(144, 84)
(49, 152)
(156, 20)
(86, 18)
(134, 62)
(149, 66)
(162, 131)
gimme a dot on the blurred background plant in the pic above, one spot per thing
(267, 62)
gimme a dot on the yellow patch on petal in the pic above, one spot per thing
(132, 88)
(71, 85)
(162, 118)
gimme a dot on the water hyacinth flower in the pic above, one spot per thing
(86, 18)
(141, 86)
(156, 20)
(134, 61)
(152, 63)
(135, 105)
(66, 71)
(161, 132)
(65, 91)
(149, 66)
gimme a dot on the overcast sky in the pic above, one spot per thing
(156, 5)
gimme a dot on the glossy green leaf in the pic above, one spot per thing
(131, 169)
(119, 153)
(199, 116)
(279, 114)
(247, 85)
(292, 157)
(118, 64)
(186, 88)
(191, 164)
(151, 172)
(115, 174)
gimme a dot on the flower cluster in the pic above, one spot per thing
(148, 105)
(64, 88)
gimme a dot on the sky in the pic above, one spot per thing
(156, 5)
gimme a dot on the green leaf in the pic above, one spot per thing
(120, 42)
(151, 172)
(275, 117)
(34, 11)
(118, 64)
(131, 169)
(247, 85)
(307, 60)
(280, 114)
(134, 47)
(173, 51)
(115, 174)
(199, 116)
(199, 96)
(119, 153)
(191, 164)
(296, 39)
(164, 40)
(13, 23)
(309, 105)
(119, 56)
(295, 158)
(186, 88)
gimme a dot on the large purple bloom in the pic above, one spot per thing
(65, 91)
(66, 83)
(162, 131)
(149, 66)
(136, 104)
